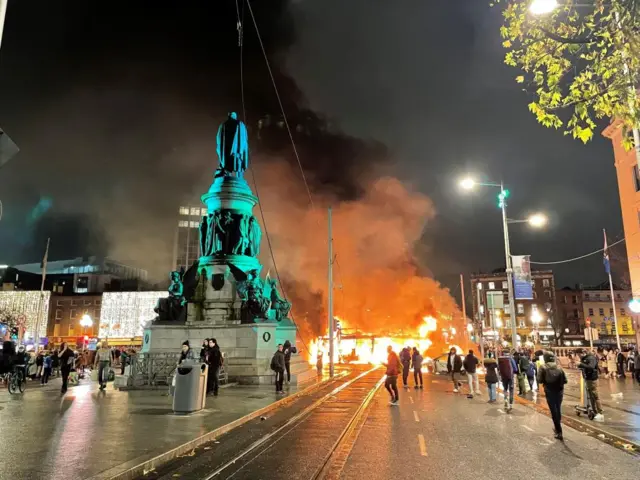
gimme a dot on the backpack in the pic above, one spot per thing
(553, 378)
(531, 371)
(273, 363)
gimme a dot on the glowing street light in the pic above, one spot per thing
(634, 305)
(469, 328)
(467, 183)
(543, 7)
(536, 317)
(537, 220)
(86, 321)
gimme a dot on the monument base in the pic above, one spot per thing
(247, 348)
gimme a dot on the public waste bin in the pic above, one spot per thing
(191, 387)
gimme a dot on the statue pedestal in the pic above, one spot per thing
(247, 349)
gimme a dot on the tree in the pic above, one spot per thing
(579, 62)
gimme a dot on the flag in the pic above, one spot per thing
(605, 258)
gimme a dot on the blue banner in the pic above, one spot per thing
(522, 277)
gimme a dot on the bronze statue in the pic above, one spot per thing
(172, 308)
(243, 236)
(233, 147)
(255, 235)
(217, 233)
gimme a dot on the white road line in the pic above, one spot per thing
(527, 428)
(411, 399)
(423, 445)
(500, 410)
(415, 416)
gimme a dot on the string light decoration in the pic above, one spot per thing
(19, 303)
(123, 314)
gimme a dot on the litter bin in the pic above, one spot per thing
(191, 387)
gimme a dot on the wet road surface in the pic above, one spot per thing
(437, 434)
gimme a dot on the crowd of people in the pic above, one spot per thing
(63, 362)
(521, 369)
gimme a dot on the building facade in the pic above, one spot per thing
(598, 309)
(186, 245)
(628, 174)
(65, 313)
(535, 318)
(570, 311)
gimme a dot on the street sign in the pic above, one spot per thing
(8, 149)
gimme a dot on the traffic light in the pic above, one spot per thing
(502, 196)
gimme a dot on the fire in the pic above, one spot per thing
(430, 325)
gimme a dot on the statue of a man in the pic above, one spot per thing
(233, 147)
(255, 235)
(243, 236)
(217, 232)
(204, 234)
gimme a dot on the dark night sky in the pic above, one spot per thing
(115, 105)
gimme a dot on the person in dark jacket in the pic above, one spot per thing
(46, 369)
(491, 378)
(636, 365)
(470, 365)
(620, 360)
(278, 366)
(394, 367)
(203, 350)
(416, 363)
(288, 350)
(67, 359)
(405, 358)
(7, 356)
(508, 370)
(552, 377)
(214, 360)
(454, 368)
(55, 363)
(186, 352)
(589, 366)
(39, 364)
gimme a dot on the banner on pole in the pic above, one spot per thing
(522, 277)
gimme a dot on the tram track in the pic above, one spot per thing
(308, 440)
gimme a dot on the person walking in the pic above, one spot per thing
(103, 362)
(46, 369)
(611, 364)
(620, 361)
(66, 363)
(405, 358)
(454, 368)
(394, 367)
(491, 378)
(416, 363)
(470, 365)
(288, 350)
(532, 373)
(589, 366)
(508, 370)
(553, 379)
(278, 366)
(215, 360)
(523, 362)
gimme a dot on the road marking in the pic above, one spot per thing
(411, 399)
(501, 410)
(423, 445)
(415, 416)
(527, 428)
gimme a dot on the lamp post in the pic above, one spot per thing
(85, 322)
(537, 220)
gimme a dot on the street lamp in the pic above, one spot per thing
(537, 220)
(543, 7)
(85, 322)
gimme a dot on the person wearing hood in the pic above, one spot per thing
(394, 368)
(277, 365)
(405, 358)
(589, 366)
(288, 350)
(552, 377)
(491, 377)
(508, 369)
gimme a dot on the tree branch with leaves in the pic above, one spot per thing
(578, 63)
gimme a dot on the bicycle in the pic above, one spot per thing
(15, 379)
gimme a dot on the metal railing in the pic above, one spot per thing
(153, 368)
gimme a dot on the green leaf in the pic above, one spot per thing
(520, 79)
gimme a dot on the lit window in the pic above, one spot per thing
(520, 308)
(82, 290)
(195, 211)
(203, 212)
(505, 286)
(194, 225)
(183, 223)
(184, 210)
(545, 282)
(492, 286)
